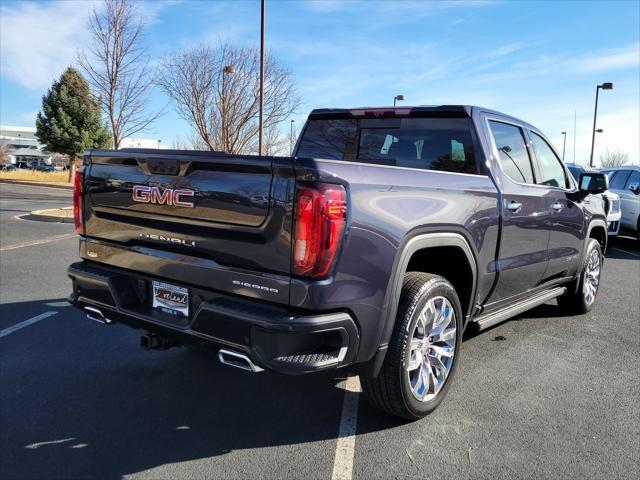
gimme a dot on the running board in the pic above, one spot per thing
(493, 318)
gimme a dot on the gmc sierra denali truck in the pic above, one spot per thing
(389, 232)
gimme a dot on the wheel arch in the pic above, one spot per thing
(414, 255)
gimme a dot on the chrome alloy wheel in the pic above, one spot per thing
(432, 347)
(591, 277)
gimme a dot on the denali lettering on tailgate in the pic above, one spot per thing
(168, 196)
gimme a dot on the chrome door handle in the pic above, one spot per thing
(514, 206)
(557, 206)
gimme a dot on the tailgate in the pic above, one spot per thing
(234, 211)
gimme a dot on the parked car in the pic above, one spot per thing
(625, 181)
(611, 201)
(388, 233)
(43, 168)
(8, 167)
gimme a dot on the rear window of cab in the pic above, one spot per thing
(442, 144)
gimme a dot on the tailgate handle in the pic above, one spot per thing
(163, 166)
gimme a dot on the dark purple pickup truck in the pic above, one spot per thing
(390, 232)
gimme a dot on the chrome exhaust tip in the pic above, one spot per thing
(96, 315)
(238, 360)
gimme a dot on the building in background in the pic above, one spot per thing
(130, 142)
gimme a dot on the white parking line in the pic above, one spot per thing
(37, 242)
(26, 323)
(626, 251)
(345, 448)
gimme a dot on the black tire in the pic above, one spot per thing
(391, 391)
(575, 300)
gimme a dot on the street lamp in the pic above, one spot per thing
(159, 142)
(604, 86)
(564, 143)
(261, 84)
(225, 71)
(399, 98)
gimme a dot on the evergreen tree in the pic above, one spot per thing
(70, 119)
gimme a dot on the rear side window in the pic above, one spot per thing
(619, 179)
(512, 149)
(551, 171)
(443, 144)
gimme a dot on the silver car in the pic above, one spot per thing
(625, 181)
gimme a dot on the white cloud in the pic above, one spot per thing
(39, 40)
(626, 57)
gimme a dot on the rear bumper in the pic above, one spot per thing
(272, 336)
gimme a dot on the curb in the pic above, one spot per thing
(37, 184)
(44, 216)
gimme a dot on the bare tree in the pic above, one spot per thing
(615, 158)
(274, 143)
(215, 89)
(117, 66)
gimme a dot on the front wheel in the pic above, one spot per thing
(581, 297)
(423, 350)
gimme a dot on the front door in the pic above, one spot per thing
(566, 238)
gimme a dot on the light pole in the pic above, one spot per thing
(260, 122)
(19, 139)
(399, 98)
(159, 142)
(225, 70)
(604, 86)
(291, 137)
(564, 144)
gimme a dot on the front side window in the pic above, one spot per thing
(512, 149)
(634, 179)
(551, 171)
(619, 179)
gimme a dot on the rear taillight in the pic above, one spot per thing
(321, 214)
(77, 201)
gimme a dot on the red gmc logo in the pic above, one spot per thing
(168, 196)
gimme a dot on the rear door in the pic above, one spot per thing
(567, 216)
(526, 217)
(630, 201)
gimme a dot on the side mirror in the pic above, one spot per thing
(635, 188)
(592, 182)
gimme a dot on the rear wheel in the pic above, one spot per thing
(423, 350)
(581, 299)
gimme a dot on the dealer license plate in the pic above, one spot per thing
(170, 299)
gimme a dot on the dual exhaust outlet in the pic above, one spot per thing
(96, 315)
(152, 341)
(237, 360)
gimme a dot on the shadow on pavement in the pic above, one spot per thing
(81, 400)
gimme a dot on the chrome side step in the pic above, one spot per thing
(238, 360)
(96, 315)
(493, 318)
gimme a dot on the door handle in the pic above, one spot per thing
(557, 206)
(514, 206)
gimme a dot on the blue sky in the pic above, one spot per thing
(536, 60)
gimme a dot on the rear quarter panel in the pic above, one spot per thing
(388, 205)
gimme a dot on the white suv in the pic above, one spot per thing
(625, 181)
(611, 201)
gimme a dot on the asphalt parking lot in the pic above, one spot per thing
(544, 395)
